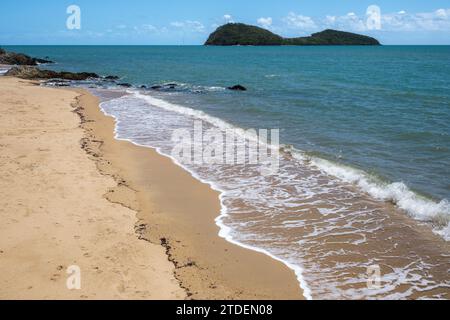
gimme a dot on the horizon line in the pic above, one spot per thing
(202, 45)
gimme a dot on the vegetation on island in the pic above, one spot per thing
(233, 34)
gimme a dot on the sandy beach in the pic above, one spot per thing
(55, 214)
(138, 226)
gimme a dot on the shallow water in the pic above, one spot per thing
(327, 230)
(367, 146)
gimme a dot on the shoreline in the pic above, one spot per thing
(396, 227)
(172, 225)
(218, 220)
(196, 255)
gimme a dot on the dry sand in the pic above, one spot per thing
(55, 212)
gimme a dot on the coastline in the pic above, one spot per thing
(178, 212)
(399, 229)
(170, 239)
(137, 225)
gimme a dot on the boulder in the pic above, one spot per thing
(165, 86)
(237, 87)
(76, 76)
(112, 78)
(126, 85)
(43, 61)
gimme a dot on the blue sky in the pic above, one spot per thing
(151, 22)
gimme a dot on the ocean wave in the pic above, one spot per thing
(200, 115)
(415, 205)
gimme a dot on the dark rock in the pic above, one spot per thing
(43, 61)
(33, 73)
(17, 59)
(143, 87)
(166, 86)
(20, 59)
(126, 85)
(112, 78)
(76, 76)
(237, 87)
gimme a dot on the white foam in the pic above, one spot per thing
(226, 233)
(415, 205)
(197, 114)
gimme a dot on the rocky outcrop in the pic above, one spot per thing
(12, 58)
(34, 73)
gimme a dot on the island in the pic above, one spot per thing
(233, 34)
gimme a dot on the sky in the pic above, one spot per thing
(183, 22)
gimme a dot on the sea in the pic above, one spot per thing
(359, 205)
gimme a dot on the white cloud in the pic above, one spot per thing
(300, 22)
(147, 29)
(177, 24)
(228, 18)
(297, 25)
(189, 26)
(351, 22)
(265, 22)
(330, 19)
(438, 20)
(442, 13)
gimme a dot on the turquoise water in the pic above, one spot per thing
(385, 110)
(366, 135)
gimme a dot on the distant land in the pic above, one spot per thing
(233, 34)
